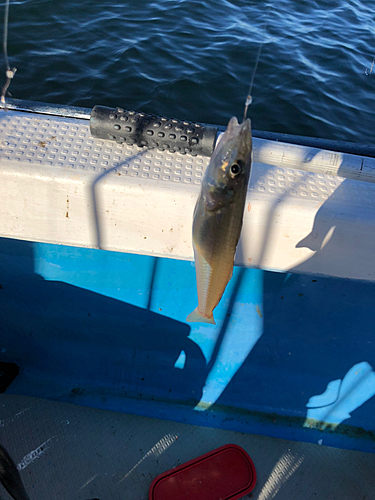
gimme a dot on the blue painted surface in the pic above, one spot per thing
(108, 330)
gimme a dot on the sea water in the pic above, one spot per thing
(193, 59)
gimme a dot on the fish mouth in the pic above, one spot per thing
(246, 125)
(236, 129)
(245, 128)
(244, 134)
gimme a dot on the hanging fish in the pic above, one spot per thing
(218, 215)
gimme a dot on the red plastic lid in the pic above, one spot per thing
(227, 473)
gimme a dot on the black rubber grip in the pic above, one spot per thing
(130, 127)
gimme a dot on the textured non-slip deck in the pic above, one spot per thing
(58, 184)
(68, 452)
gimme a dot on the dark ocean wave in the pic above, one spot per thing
(194, 59)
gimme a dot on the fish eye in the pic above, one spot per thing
(236, 168)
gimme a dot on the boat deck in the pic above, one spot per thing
(61, 185)
(67, 452)
(107, 329)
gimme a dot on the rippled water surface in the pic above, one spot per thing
(193, 59)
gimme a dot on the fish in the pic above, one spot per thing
(10, 477)
(218, 216)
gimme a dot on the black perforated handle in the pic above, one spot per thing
(130, 127)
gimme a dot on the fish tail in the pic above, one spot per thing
(197, 317)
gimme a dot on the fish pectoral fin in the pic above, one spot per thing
(197, 317)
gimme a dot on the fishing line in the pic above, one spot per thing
(367, 72)
(249, 97)
(9, 73)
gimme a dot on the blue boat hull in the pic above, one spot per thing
(291, 355)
